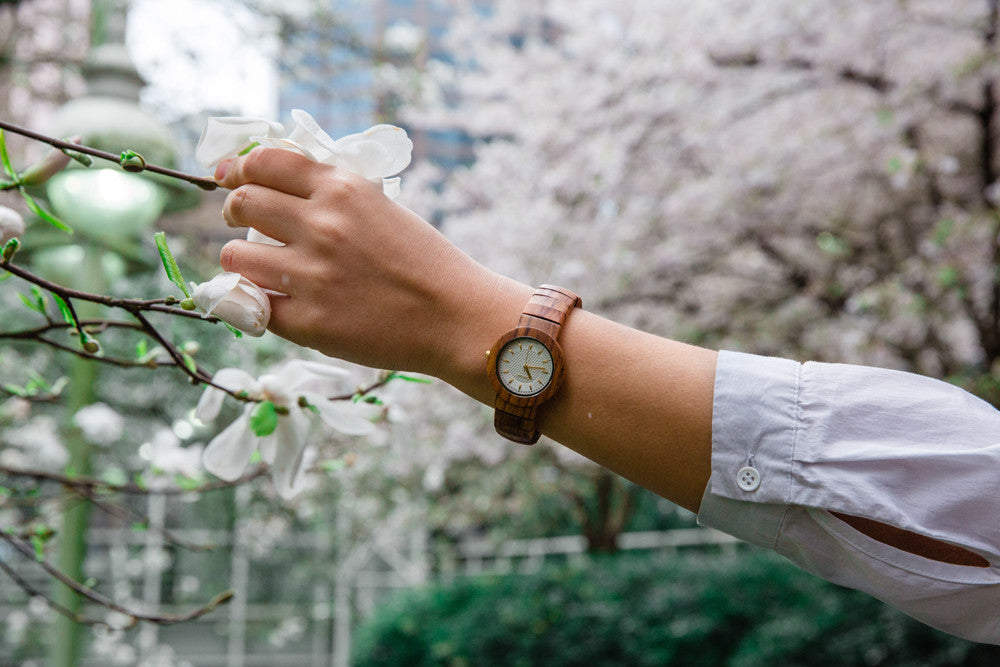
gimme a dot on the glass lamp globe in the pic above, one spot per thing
(106, 204)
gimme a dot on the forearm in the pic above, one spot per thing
(638, 404)
(371, 282)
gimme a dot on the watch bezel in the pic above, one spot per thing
(558, 363)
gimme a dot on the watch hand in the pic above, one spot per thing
(526, 370)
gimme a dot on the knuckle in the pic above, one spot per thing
(345, 185)
(237, 204)
(253, 164)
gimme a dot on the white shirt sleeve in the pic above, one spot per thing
(793, 442)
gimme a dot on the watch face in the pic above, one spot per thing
(524, 366)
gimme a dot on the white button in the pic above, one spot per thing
(748, 478)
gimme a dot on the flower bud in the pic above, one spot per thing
(10, 248)
(236, 301)
(51, 164)
(188, 304)
(11, 225)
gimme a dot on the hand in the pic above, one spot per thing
(367, 280)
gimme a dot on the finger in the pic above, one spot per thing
(266, 210)
(264, 265)
(274, 168)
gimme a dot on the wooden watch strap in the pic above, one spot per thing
(545, 311)
(516, 422)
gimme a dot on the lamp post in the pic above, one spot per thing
(109, 209)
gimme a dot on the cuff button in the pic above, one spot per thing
(748, 478)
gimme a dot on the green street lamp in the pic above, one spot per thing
(110, 210)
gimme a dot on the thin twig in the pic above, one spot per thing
(91, 326)
(95, 597)
(130, 305)
(34, 592)
(129, 488)
(126, 513)
(200, 181)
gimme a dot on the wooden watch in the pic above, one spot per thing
(525, 365)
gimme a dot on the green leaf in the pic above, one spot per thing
(8, 168)
(39, 545)
(114, 476)
(30, 304)
(187, 483)
(140, 526)
(948, 277)
(41, 300)
(169, 263)
(264, 418)
(65, 310)
(832, 244)
(45, 215)
(409, 378)
(189, 362)
(236, 332)
(23, 392)
(943, 230)
(141, 348)
(333, 465)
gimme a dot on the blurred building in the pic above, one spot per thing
(360, 79)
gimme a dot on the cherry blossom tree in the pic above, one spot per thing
(807, 179)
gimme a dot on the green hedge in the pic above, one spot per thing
(744, 610)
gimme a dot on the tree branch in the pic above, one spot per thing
(201, 182)
(90, 594)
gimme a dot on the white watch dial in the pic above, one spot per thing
(524, 366)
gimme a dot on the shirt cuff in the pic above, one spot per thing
(754, 427)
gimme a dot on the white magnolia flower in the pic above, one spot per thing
(99, 423)
(166, 454)
(234, 300)
(229, 453)
(11, 224)
(378, 153)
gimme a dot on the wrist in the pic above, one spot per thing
(480, 318)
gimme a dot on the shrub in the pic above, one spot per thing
(739, 610)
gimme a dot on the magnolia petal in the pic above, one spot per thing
(289, 446)
(228, 454)
(310, 137)
(233, 379)
(256, 237)
(379, 151)
(390, 187)
(236, 301)
(298, 376)
(363, 157)
(337, 415)
(226, 136)
(210, 294)
(284, 144)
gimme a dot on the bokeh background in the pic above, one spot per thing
(812, 179)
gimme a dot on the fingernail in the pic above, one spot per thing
(223, 169)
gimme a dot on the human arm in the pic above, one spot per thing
(371, 282)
